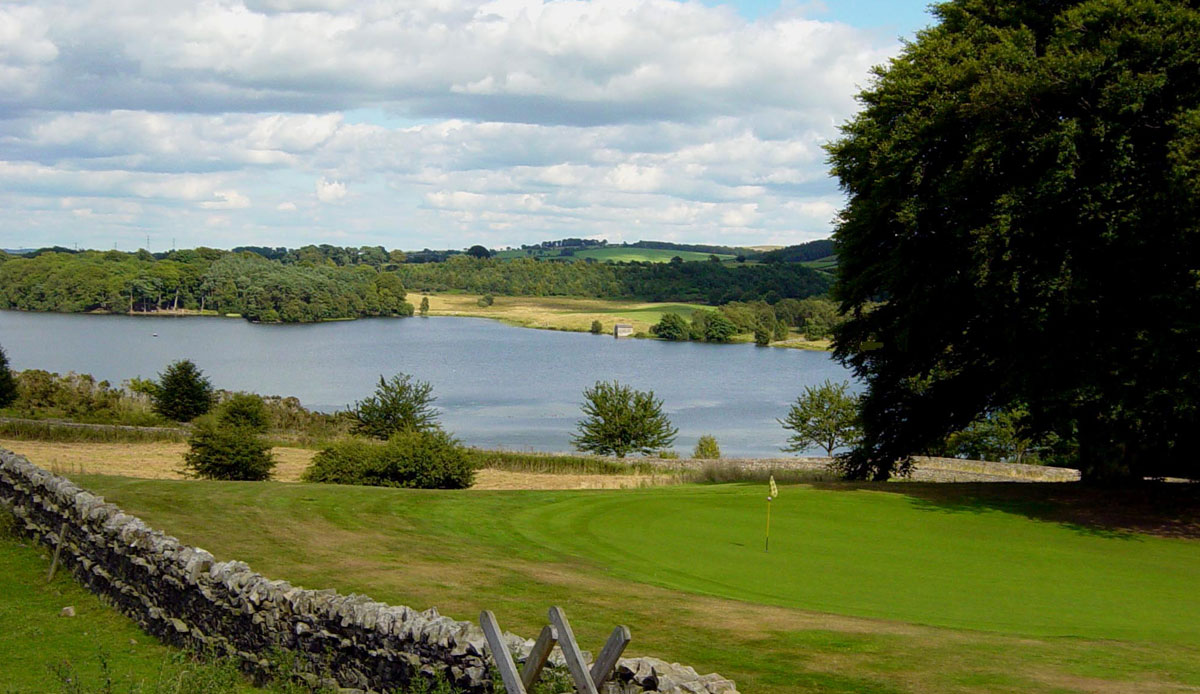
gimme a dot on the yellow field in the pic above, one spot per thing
(556, 312)
(164, 461)
(576, 314)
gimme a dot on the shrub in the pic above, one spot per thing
(183, 393)
(707, 448)
(762, 335)
(597, 327)
(218, 451)
(424, 306)
(671, 326)
(244, 410)
(486, 300)
(429, 459)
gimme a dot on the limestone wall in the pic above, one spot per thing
(183, 596)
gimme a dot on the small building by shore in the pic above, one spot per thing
(622, 330)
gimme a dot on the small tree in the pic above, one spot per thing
(221, 451)
(597, 327)
(244, 410)
(402, 403)
(486, 300)
(8, 384)
(707, 448)
(825, 416)
(671, 326)
(424, 306)
(479, 252)
(718, 328)
(762, 335)
(620, 420)
(781, 330)
(183, 393)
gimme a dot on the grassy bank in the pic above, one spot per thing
(577, 314)
(557, 312)
(863, 590)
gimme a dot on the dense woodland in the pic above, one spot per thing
(325, 282)
(197, 280)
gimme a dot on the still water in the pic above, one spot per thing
(497, 386)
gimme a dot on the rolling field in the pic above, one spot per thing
(864, 590)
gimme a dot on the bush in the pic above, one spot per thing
(244, 410)
(486, 300)
(218, 451)
(597, 327)
(398, 404)
(671, 326)
(183, 393)
(430, 459)
(424, 306)
(707, 448)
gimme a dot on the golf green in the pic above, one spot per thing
(884, 555)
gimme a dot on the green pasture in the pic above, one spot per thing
(643, 255)
(615, 254)
(862, 591)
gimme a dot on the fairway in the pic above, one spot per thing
(862, 591)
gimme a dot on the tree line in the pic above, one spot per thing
(202, 279)
(694, 282)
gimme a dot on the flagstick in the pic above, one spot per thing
(767, 547)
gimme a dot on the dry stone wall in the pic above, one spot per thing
(185, 597)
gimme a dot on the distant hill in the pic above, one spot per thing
(803, 253)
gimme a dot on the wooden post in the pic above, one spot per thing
(57, 552)
(504, 662)
(539, 655)
(575, 663)
(607, 661)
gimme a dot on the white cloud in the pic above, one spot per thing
(330, 191)
(227, 200)
(501, 122)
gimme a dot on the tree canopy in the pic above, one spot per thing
(183, 392)
(8, 384)
(620, 420)
(1024, 195)
(401, 403)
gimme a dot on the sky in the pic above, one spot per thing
(428, 123)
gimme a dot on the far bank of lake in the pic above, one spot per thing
(497, 386)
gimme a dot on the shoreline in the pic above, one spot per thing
(563, 314)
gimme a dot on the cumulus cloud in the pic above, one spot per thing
(330, 191)
(504, 120)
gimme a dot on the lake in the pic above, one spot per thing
(497, 386)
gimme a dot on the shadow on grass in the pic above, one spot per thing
(1152, 508)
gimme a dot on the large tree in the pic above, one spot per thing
(620, 420)
(1024, 196)
(8, 384)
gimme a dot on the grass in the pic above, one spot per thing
(863, 590)
(557, 312)
(39, 430)
(555, 464)
(39, 648)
